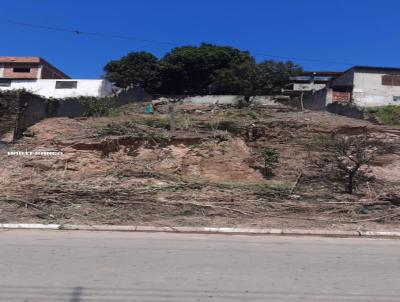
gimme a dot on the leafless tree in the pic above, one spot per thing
(348, 157)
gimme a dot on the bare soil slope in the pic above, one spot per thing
(128, 168)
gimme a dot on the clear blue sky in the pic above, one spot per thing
(354, 31)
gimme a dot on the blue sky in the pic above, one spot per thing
(364, 32)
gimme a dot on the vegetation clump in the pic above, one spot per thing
(270, 158)
(114, 129)
(388, 115)
(96, 107)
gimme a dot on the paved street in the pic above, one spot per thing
(103, 266)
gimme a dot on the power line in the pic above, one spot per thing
(124, 37)
(304, 59)
(80, 32)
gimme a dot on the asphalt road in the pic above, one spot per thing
(104, 266)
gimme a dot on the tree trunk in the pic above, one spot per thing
(172, 123)
(267, 170)
(350, 184)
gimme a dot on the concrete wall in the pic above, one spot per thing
(22, 109)
(346, 110)
(47, 88)
(8, 112)
(132, 95)
(317, 100)
(307, 86)
(225, 99)
(66, 108)
(33, 109)
(368, 90)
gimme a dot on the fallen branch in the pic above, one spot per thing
(296, 183)
(19, 201)
(206, 206)
(377, 218)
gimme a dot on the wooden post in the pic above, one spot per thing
(16, 134)
(301, 101)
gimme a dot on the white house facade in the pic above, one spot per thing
(60, 88)
(368, 86)
(360, 86)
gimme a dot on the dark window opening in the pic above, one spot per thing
(343, 88)
(5, 83)
(22, 69)
(391, 80)
(66, 84)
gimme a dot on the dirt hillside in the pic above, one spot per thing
(128, 168)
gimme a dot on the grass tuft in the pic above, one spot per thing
(388, 115)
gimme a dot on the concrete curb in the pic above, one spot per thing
(37, 226)
(205, 230)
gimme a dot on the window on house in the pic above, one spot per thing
(66, 84)
(22, 69)
(396, 98)
(391, 80)
(5, 83)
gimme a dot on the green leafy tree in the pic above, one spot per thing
(137, 69)
(236, 79)
(272, 76)
(190, 69)
(199, 70)
(250, 79)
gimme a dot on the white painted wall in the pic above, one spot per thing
(224, 99)
(47, 88)
(368, 90)
(308, 86)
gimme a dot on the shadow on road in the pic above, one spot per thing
(77, 294)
